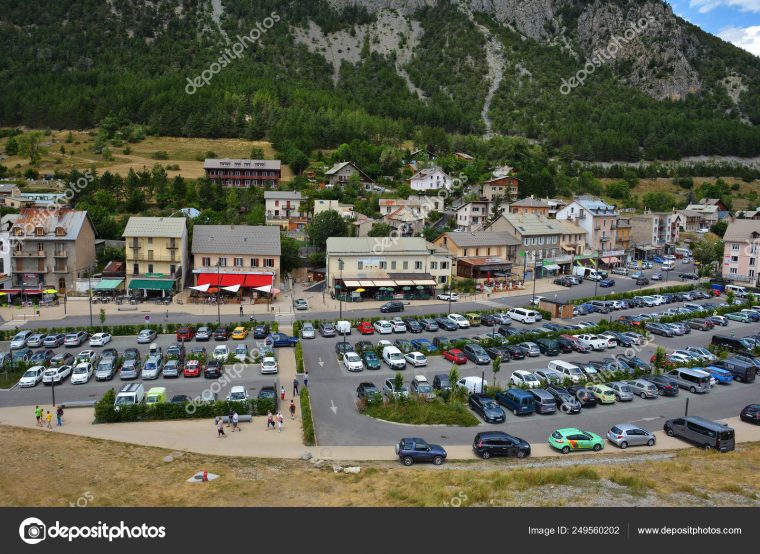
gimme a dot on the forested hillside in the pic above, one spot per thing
(676, 92)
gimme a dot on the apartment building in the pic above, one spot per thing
(156, 254)
(431, 178)
(530, 205)
(474, 215)
(502, 184)
(741, 251)
(281, 206)
(346, 210)
(339, 174)
(481, 255)
(658, 229)
(245, 257)
(597, 218)
(51, 248)
(243, 173)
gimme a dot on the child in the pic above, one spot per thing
(59, 416)
(282, 393)
(279, 422)
(49, 419)
(270, 421)
(220, 427)
(292, 409)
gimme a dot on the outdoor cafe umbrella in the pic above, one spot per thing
(420, 287)
(50, 291)
(407, 288)
(213, 290)
(359, 290)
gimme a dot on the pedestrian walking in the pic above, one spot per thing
(49, 419)
(38, 415)
(220, 427)
(229, 417)
(235, 421)
(306, 380)
(279, 422)
(282, 392)
(241, 310)
(59, 416)
(295, 386)
(270, 420)
(292, 409)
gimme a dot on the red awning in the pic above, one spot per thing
(18, 291)
(231, 279)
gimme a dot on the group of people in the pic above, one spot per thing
(45, 418)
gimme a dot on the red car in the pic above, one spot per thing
(365, 328)
(185, 333)
(455, 355)
(193, 368)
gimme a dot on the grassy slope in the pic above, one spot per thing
(48, 469)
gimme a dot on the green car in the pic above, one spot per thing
(739, 316)
(371, 361)
(572, 438)
(603, 393)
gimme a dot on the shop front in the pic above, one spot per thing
(388, 286)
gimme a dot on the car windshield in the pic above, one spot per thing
(353, 358)
(530, 377)
(80, 369)
(237, 396)
(124, 400)
(424, 388)
(31, 373)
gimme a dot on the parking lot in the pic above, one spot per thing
(250, 377)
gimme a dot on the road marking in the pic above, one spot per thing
(320, 362)
(333, 407)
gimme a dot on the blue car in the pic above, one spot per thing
(423, 345)
(607, 283)
(281, 339)
(588, 308)
(411, 450)
(658, 260)
(722, 376)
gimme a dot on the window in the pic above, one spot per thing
(254, 262)
(360, 265)
(442, 279)
(384, 265)
(733, 271)
(406, 264)
(135, 269)
(150, 240)
(268, 262)
(222, 262)
(205, 262)
(60, 232)
(393, 265)
(735, 246)
(238, 262)
(751, 272)
(417, 265)
(172, 269)
(433, 265)
(444, 265)
(734, 259)
(39, 231)
(150, 268)
(752, 261)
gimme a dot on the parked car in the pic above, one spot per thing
(221, 333)
(185, 333)
(55, 340)
(146, 336)
(327, 329)
(628, 434)
(77, 338)
(261, 331)
(448, 297)
(566, 402)
(389, 389)
(31, 377)
(370, 359)
(521, 377)
(476, 353)
(572, 438)
(455, 355)
(423, 345)
(603, 394)
(213, 369)
(203, 334)
(36, 340)
(446, 324)
(412, 450)
(751, 414)
(430, 325)
(702, 432)
(300, 304)
(643, 388)
(392, 307)
(416, 359)
(622, 391)
(487, 408)
(584, 395)
(307, 330)
(496, 443)
(82, 373)
(56, 375)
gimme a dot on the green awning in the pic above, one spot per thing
(151, 284)
(108, 284)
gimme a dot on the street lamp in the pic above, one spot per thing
(218, 282)
(602, 240)
(451, 281)
(535, 270)
(340, 302)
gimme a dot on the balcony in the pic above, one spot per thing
(61, 254)
(61, 269)
(29, 254)
(172, 246)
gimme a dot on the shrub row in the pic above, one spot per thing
(309, 436)
(645, 292)
(299, 357)
(106, 413)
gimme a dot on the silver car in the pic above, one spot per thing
(628, 434)
(643, 388)
(307, 330)
(622, 390)
(549, 376)
(531, 349)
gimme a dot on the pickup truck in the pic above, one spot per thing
(596, 342)
(411, 450)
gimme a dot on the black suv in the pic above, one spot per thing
(487, 407)
(392, 307)
(497, 443)
(412, 325)
(548, 347)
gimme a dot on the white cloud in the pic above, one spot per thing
(705, 6)
(747, 38)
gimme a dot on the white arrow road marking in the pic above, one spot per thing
(333, 407)
(321, 363)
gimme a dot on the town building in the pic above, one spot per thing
(502, 184)
(484, 255)
(741, 251)
(281, 206)
(243, 173)
(623, 236)
(748, 214)
(8, 189)
(431, 178)
(530, 205)
(321, 205)
(6, 223)
(385, 267)
(692, 221)
(597, 218)
(362, 225)
(709, 213)
(340, 174)
(660, 230)
(408, 216)
(474, 215)
(156, 255)
(51, 248)
(243, 257)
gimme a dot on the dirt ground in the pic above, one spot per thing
(52, 469)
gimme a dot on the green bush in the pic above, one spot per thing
(299, 357)
(309, 436)
(420, 412)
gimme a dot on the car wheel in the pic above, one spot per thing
(514, 411)
(622, 445)
(438, 460)
(692, 390)
(565, 449)
(650, 442)
(707, 447)
(521, 454)
(597, 447)
(669, 432)
(485, 455)
(643, 395)
(408, 460)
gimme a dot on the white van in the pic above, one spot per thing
(684, 252)
(473, 384)
(343, 328)
(393, 357)
(568, 370)
(737, 290)
(524, 316)
(667, 265)
(131, 393)
(589, 273)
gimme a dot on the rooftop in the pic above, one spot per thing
(171, 227)
(531, 202)
(483, 238)
(282, 195)
(236, 239)
(230, 163)
(377, 246)
(71, 221)
(596, 206)
(534, 224)
(741, 230)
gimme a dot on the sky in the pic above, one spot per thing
(736, 21)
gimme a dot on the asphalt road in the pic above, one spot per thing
(250, 377)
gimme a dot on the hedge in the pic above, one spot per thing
(299, 357)
(106, 413)
(639, 292)
(309, 436)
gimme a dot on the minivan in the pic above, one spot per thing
(690, 379)
(393, 357)
(524, 316)
(130, 394)
(737, 290)
(19, 340)
(519, 401)
(545, 403)
(703, 432)
(548, 347)
(741, 370)
(568, 370)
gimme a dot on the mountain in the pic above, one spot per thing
(592, 80)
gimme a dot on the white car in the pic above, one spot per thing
(417, 359)
(659, 299)
(269, 365)
(520, 377)
(100, 339)
(536, 300)
(307, 331)
(448, 297)
(398, 326)
(56, 375)
(524, 316)
(595, 342)
(82, 373)
(19, 341)
(353, 361)
(237, 394)
(87, 356)
(680, 358)
(221, 353)
(383, 327)
(460, 320)
(31, 377)
(585, 324)
(383, 343)
(241, 352)
(703, 353)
